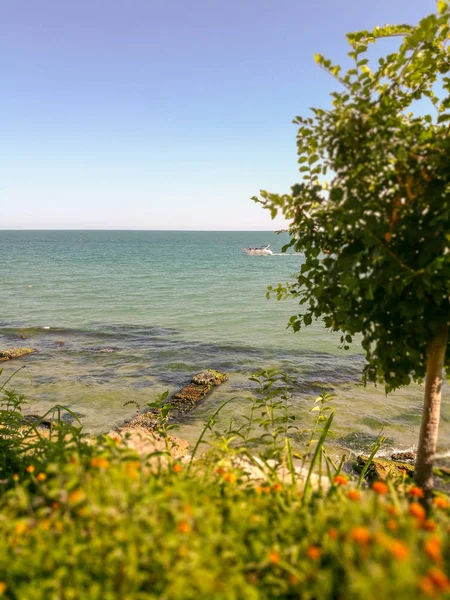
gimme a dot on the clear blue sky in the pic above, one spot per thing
(162, 114)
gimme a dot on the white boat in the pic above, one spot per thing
(259, 251)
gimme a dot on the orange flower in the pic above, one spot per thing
(417, 511)
(416, 492)
(398, 549)
(426, 585)
(440, 502)
(77, 496)
(333, 533)
(183, 527)
(340, 480)
(361, 535)
(434, 582)
(41, 477)
(99, 462)
(15, 477)
(379, 487)
(439, 578)
(2, 587)
(432, 548)
(30, 469)
(230, 477)
(177, 468)
(429, 525)
(354, 495)
(21, 528)
(277, 487)
(55, 505)
(313, 552)
(59, 526)
(220, 470)
(46, 523)
(274, 557)
(266, 489)
(392, 525)
(132, 468)
(392, 510)
(259, 489)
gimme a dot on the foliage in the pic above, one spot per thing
(372, 211)
(95, 521)
(21, 437)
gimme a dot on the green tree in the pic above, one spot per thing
(372, 213)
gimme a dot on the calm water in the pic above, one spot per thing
(119, 316)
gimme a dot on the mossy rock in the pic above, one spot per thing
(382, 468)
(182, 401)
(146, 420)
(193, 392)
(201, 384)
(15, 353)
(209, 377)
(403, 456)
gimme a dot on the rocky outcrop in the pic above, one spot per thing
(38, 422)
(182, 401)
(201, 384)
(209, 377)
(382, 468)
(403, 456)
(189, 396)
(15, 353)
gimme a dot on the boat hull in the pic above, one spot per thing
(258, 252)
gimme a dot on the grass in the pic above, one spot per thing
(83, 520)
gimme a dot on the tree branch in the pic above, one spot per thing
(395, 257)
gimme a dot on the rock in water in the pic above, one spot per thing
(403, 456)
(183, 401)
(38, 421)
(201, 384)
(187, 397)
(382, 468)
(209, 377)
(15, 353)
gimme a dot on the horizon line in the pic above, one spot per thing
(177, 230)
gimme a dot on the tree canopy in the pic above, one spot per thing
(372, 210)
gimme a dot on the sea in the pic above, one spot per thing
(118, 317)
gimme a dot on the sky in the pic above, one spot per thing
(163, 114)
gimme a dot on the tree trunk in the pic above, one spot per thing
(423, 473)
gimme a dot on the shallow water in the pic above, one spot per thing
(118, 316)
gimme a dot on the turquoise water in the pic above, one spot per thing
(123, 315)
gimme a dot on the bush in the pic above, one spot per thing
(88, 520)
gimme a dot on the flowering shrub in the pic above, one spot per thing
(96, 521)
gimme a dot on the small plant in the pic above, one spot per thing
(24, 439)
